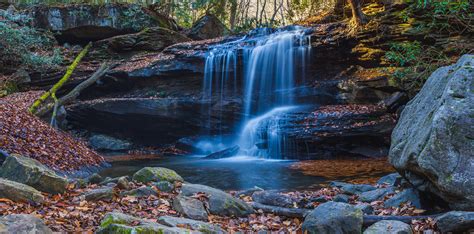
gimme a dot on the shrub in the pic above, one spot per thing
(403, 53)
(21, 42)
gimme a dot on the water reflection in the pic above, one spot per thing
(237, 173)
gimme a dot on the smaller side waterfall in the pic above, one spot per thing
(264, 136)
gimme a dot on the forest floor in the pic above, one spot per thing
(25, 134)
(70, 212)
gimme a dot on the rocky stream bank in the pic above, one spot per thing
(154, 88)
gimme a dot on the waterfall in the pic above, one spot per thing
(264, 64)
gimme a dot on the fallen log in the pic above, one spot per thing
(301, 213)
(52, 92)
(288, 212)
(71, 96)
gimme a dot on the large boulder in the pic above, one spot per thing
(220, 203)
(19, 192)
(121, 223)
(31, 172)
(433, 143)
(23, 223)
(389, 227)
(82, 22)
(156, 174)
(334, 217)
(207, 27)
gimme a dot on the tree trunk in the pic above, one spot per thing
(233, 14)
(339, 7)
(358, 18)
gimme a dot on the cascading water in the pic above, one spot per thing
(269, 75)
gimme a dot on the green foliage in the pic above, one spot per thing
(8, 87)
(403, 53)
(19, 39)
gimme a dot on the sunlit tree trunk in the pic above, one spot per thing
(358, 17)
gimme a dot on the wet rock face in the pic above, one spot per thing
(207, 27)
(432, 144)
(82, 23)
(357, 130)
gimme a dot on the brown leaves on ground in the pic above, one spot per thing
(365, 170)
(25, 134)
(69, 212)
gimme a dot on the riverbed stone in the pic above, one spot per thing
(115, 222)
(156, 174)
(392, 179)
(319, 199)
(31, 172)
(389, 227)
(272, 198)
(95, 178)
(341, 198)
(432, 144)
(190, 207)
(123, 183)
(408, 195)
(348, 188)
(334, 217)
(192, 224)
(164, 186)
(100, 194)
(376, 194)
(455, 221)
(220, 203)
(108, 143)
(365, 208)
(23, 223)
(19, 192)
(143, 191)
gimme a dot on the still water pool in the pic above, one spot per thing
(234, 173)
